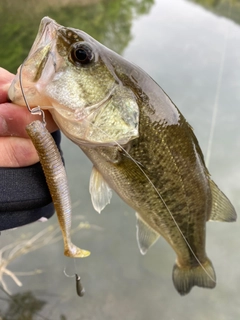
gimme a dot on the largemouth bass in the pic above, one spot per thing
(140, 144)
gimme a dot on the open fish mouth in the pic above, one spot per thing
(47, 32)
(43, 46)
(41, 59)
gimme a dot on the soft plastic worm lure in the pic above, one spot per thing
(55, 175)
(56, 178)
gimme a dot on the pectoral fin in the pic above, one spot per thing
(100, 192)
(222, 209)
(146, 236)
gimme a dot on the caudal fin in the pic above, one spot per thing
(186, 278)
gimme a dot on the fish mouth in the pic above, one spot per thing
(41, 57)
(46, 33)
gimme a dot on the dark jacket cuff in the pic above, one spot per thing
(24, 194)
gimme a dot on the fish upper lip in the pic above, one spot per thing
(46, 34)
(46, 20)
(44, 41)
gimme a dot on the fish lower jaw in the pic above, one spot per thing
(15, 94)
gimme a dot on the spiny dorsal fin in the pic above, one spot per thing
(146, 236)
(222, 209)
(100, 192)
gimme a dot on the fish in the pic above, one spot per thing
(54, 171)
(140, 144)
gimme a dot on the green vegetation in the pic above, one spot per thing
(107, 21)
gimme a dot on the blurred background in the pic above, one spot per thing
(192, 49)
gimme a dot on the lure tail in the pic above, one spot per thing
(184, 278)
(72, 251)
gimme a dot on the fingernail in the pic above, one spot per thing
(3, 126)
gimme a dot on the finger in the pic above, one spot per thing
(13, 120)
(5, 76)
(5, 81)
(17, 152)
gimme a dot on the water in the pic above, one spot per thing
(192, 50)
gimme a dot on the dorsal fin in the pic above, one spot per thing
(222, 209)
(146, 236)
(100, 192)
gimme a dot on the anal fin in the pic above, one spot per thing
(146, 236)
(100, 192)
(222, 209)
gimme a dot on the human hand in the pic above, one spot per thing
(16, 149)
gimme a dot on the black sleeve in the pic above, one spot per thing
(24, 194)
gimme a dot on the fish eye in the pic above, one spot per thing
(81, 54)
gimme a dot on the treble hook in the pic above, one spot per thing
(36, 110)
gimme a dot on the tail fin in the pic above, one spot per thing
(186, 278)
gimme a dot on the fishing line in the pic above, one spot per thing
(67, 275)
(218, 90)
(161, 198)
(36, 110)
